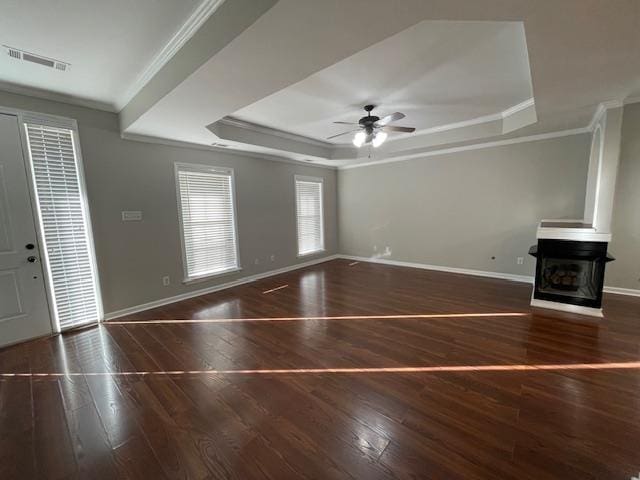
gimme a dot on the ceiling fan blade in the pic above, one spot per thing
(393, 128)
(389, 118)
(343, 133)
(347, 123)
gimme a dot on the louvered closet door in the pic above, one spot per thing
(65, 225)
(207, 216)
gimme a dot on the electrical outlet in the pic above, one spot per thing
(387, 250)
(166, 281)
(256, 261)
(520, 260)
(272, 257)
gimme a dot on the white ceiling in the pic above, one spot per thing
(437, 73)
(109, 43)
(299, 65)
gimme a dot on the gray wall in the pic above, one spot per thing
(455, 210)
(460, 209)
(129, 175)
(625, 245)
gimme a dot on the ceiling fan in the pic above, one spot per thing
(372, 129)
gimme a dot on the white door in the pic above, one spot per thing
(24, 311)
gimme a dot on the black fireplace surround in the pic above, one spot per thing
(570, 272)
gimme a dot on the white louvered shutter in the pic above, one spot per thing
(309, 215)
(208, 220)
(65, 225)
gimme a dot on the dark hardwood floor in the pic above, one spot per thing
(354, 371)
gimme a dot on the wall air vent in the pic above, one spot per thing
(39, 59)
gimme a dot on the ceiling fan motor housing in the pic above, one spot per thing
(368, 122)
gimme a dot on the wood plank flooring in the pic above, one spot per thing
(351, 371)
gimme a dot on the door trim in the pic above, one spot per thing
(71, 124)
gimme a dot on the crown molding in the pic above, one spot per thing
(480, 120)
(518, 108)
(475, 146)
(465, 123)
(602, 108)
(235, 122)
(254, 127)
(630, 100)
(56, 97)
(200, 15)
(228, 150)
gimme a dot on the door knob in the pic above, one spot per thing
(32, 259)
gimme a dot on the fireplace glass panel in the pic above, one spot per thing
(569, 277)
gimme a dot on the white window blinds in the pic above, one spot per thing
(309, 215)
(207, 218)
(65, 225)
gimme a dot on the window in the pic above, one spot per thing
(309, 215)
(64, 225)
(207, 219)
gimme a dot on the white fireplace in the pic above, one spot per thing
(571, 254)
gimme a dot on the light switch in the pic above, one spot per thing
(131, 216)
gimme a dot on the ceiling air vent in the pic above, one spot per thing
(39, 59)
(14, 53)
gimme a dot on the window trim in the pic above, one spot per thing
(71, 124)
(320, 180)
(195, 167)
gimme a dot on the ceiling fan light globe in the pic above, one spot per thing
(379, 139)
(359, 138)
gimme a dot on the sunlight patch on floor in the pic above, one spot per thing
(426, 369)
(344, 317)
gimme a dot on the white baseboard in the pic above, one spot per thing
(440, 268)
(479, 273)
(383, 261)
(622, 291)
(195, 293)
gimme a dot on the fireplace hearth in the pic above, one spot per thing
(570, 272)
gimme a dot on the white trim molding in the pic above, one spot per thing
(622, 291)
(630, 100)
(479, 273)
(254, 127)
(602, 108)
(223, 286)
(56, 97)
(518, 108)
(493, 117)
(200, 15)
(27, 117)
(252, 278)
(464, 271)
(475, 146)
(231, 150)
